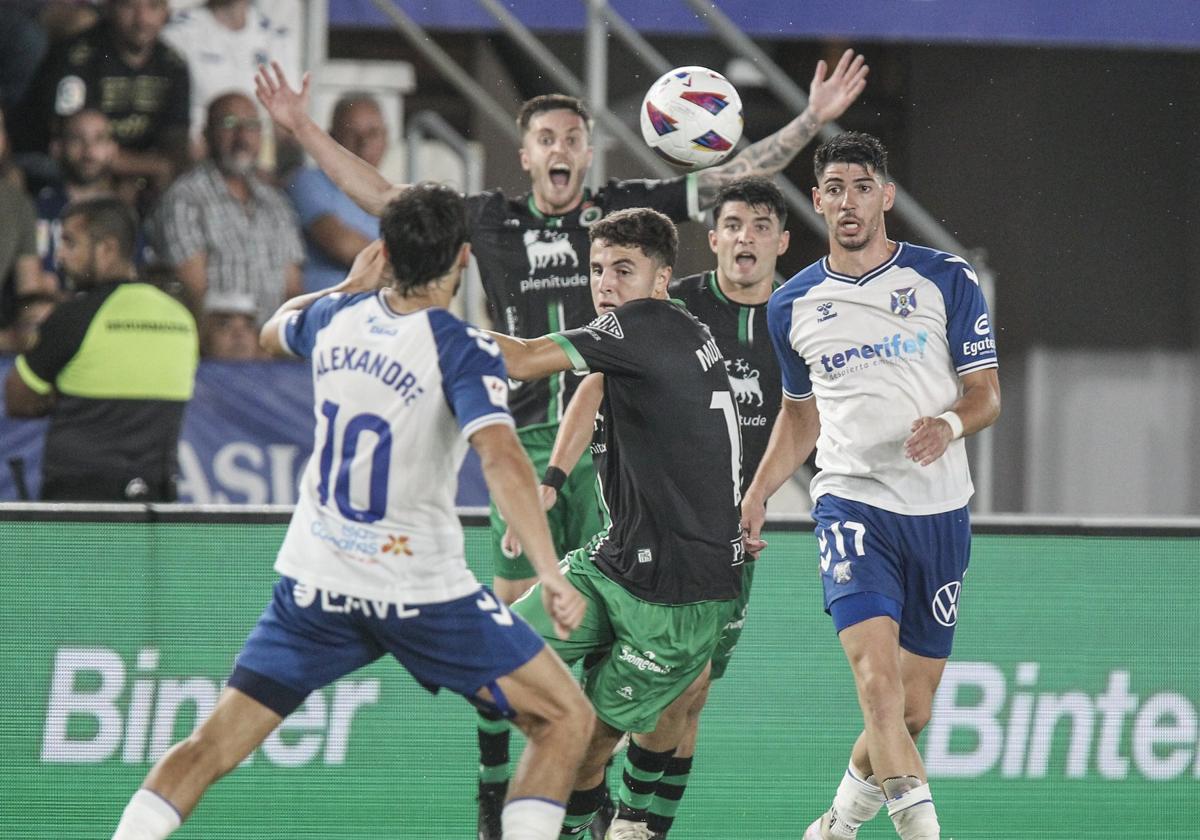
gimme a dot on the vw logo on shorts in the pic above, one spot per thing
(945, 604)
(303, 594)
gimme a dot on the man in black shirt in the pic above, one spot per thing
(748, 236)
(121, 68)
(662, 580)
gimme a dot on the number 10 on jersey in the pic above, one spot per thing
(351, 437)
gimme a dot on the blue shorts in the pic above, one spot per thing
(309, 637)
(916, 562)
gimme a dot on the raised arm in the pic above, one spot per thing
(828, 99)
(510, 480)
(974, 411)
(353, 175)
(792, 440)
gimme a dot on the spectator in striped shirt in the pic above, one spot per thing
(221, 227)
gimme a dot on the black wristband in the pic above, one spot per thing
(554, 477)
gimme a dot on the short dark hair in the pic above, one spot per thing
(640, 227)
(107, 217)
(552, 102)
(423, 229)
(852, 147)
(755, 192)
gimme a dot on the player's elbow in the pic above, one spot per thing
(520, 365)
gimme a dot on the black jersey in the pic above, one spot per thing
(535, 271)
(142, 103)
(671, 467)
(741, 333)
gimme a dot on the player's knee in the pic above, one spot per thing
(204, 754)
(570, 713)
(881, 699)
(917, 719)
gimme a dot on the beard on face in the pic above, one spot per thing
(236, 163)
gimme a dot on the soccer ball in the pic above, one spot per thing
(692, 117)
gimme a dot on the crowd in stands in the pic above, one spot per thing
(152, 101)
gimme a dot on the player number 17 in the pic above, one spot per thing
(839, 541)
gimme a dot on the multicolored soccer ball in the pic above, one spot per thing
(692, 117)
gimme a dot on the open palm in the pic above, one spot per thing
(286, 106)
(828, 98)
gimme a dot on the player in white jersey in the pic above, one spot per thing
(373, 561)
(888, 360)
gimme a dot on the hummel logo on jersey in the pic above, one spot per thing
(904, 302)
(607, 324)
(826, 310)
(626, 691)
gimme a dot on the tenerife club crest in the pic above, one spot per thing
(904, 302)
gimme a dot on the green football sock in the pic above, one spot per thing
(640, 775)
(667, 794)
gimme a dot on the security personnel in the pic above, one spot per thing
(113, 368)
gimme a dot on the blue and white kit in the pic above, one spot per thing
(877, 352)
(373, 561)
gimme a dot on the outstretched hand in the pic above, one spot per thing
(828, 98)
(287, 107)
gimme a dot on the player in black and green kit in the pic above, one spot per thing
(663, 579)
(748, 236)
(532, 251)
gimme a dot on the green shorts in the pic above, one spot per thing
(654, 651)
(732, 631)
(576, 517)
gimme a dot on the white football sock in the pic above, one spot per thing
(147, 817)
(530, 818)
(914, 816)
(857, 801)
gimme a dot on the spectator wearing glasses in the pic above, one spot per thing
(221, 227)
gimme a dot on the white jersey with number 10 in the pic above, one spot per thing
(396, 398)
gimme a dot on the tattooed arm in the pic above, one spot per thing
(828, 98)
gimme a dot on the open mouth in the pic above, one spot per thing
(850, 226)
(560, 175)
(745, 260)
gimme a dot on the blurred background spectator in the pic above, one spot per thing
(84, 156)
(221, 227)
(20, 274)
(223, 42)
(31, 312)
(229, 328)
(335, 228)
(114, 368)
(23, 44)
(121, 67)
